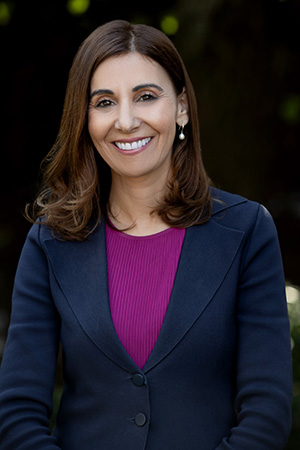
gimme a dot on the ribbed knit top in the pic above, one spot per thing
(141, 273)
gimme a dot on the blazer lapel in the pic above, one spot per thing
(207, 254)
(81, 271)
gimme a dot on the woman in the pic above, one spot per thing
(167, 295)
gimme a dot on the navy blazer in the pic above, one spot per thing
(218, 378)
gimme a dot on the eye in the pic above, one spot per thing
(146, 97)
(104, 103)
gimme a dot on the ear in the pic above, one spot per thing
(182, 109)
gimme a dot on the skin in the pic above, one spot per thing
(132, 120)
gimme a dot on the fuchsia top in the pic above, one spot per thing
(141, 273)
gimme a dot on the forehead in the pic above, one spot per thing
(129, 69)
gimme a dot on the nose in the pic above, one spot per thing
(127, 121)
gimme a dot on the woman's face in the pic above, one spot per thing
(132, 115)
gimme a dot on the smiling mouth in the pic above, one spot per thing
(135, 145)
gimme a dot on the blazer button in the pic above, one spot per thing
(138, 379)
(140, 419)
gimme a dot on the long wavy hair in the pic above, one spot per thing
(76, 181)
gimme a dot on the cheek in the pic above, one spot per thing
(167, 126)
(166, 119)
(97, 124)
(97, 137)
(164, 123)
(92, 127)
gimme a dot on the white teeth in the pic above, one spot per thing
(132, 145)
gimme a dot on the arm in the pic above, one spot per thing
(264, 372)
(28, 368)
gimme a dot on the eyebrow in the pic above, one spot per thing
(101, 92)
(135, 89)
(147, 86)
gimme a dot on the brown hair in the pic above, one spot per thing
(76, 181)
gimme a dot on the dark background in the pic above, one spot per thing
(244, 59)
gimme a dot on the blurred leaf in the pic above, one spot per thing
(78, 7)
(5, 12)
(289, 110)
(169, 25)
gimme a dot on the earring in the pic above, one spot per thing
(181, 134)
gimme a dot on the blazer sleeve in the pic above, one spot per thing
(264, 370)
(29, 363)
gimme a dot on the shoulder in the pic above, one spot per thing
(238, 212)
(43, 233)
(38, 234)
(223, 201)
(41, 238)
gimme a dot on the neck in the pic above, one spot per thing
(132, 202)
